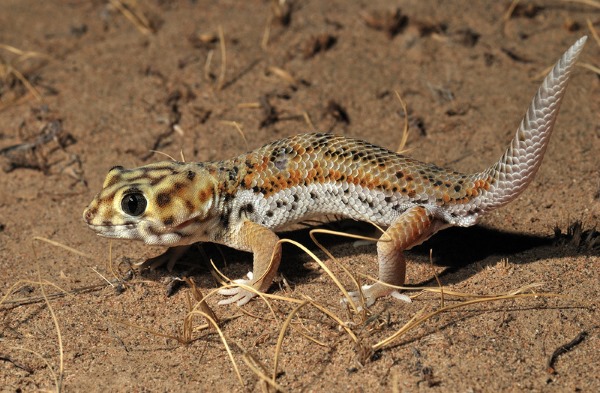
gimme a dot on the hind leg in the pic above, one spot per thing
(411, 228)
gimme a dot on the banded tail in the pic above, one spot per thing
(518, 165)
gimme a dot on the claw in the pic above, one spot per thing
(374, 291)
(238, 294)
(170, 257)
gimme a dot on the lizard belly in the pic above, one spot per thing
(300, 203)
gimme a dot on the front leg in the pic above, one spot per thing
(411, 228)
(169, 257)
(263, 243)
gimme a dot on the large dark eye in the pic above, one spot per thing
(134, 204)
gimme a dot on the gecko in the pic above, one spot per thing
(243, 201)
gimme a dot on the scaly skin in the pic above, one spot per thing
(241, 202)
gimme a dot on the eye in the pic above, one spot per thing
(134, 204)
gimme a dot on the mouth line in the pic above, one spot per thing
(100, 227)
(184, 224)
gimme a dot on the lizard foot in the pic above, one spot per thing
(373, 292)
(169, 257)
(238, 294)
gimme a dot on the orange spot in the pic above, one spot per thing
(203, 195)
(248, 180)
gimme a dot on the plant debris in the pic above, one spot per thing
(317, 44)
(391, 22)
(30, 154)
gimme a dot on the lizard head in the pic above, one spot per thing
(162, 203)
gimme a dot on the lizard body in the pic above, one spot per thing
(242, 201)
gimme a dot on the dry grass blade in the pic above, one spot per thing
(593, 31)
(414, 322)
(251, 105)
(591, 3)
(437, 279)
(221, 79)
(13, 289)
(60, 245)
(589, 67)
(238, 128)
(163, 153)
(224, 341)
(207, 64)
(200, 299)
(404, 139)
(58, 378)
(326, 269)
(282, 332)
(264, 42)
(43, 359)
(287, 323)
(61, 368)
(308, 121)
(284, 75)
(306, 336)
(335, 318)
(136, 17)
(251, 363)
(510, 10)
(8, 68)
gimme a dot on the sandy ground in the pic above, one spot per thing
(110, 94)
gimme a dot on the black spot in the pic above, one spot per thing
(270, 213)
(399, 174)
(388, 199)
(153, 231)
(438, 183)
(233, 173)
(178, 186)
(248, 208)
(156, 180)
(169, 220)
(191, 175)
(313, 195)
(296, 198)
(163, 199)
(457, 188)
(225, 220)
